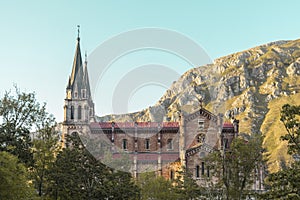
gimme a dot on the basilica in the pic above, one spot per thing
(163, 147)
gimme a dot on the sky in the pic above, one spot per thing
(38, 41)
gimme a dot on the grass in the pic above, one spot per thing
(273, 129)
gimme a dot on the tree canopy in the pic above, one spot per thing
(14, 178)
(20, 112)
(285, 184)
(236, 167)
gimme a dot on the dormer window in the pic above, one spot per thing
(200, 124)
(83, 93)
(75, 94)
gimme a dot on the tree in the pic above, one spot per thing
(19, 112)
(292, 125)
(186, 187)
(235, 167)
(285, 184)
(123, 186)
(14, 178)
(77, 174)
(156, 188)
(45, 147)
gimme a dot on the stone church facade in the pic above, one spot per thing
(163, 147)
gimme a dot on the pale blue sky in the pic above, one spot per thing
(38, 37)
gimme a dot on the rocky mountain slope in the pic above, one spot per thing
(252, 85)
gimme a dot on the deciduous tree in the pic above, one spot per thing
(14, 182)
(156, 187)
(45, 147)
(19, 113)
(235, 167)
(285, 184)
(77, 174)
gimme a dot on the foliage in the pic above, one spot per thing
(236, 166)
(28, 132)
(292, 125)
(13, 176)
(156, 188)
(186, 187)
(285, 184)
(45, 147)
(79, 175)
(122, 186)
(273, 129)
(19, 113)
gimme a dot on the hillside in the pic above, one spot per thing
(252, 85)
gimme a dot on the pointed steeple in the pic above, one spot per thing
(86, 80)
(77, 63)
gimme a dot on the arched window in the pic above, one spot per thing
(171, 174)
(198, 138)
(170, 144)
(226, 144)
(79, 112)
(147, 144)
(72, 112)
(197, 171)
(124, 144)
(83, 93)
(65, 113)
(207, 171)
(202, 168)
(201, 124)
(202, 155)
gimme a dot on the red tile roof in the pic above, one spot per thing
(227, 125)
(105, 125)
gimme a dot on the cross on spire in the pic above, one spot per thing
(78, 31)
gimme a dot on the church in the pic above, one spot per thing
(162, 147)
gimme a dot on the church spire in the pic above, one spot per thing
(77, 63)
(86, 80)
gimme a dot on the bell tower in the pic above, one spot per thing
(78, 106)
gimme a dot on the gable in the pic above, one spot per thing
(200, 126)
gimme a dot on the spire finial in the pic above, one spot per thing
(78, 31)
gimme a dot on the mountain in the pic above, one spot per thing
(251, 85)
